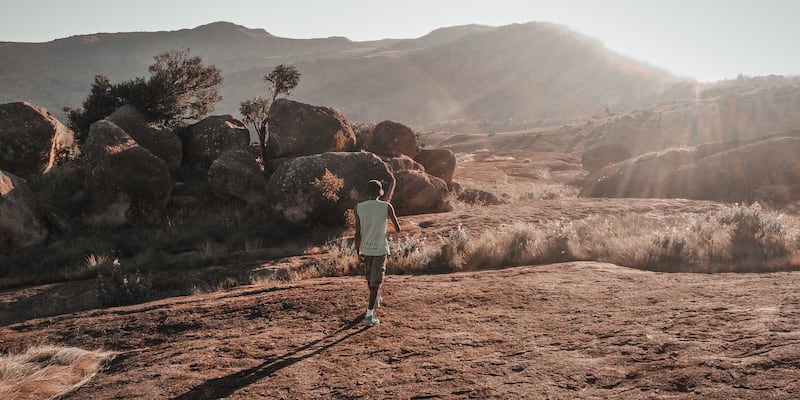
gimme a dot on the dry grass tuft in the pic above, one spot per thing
(48, 371)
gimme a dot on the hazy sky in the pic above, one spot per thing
(705, 39)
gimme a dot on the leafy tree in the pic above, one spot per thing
(100, 103)
(183, 87)
(282, 80)
(180, 88)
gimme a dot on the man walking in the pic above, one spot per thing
(371, 242)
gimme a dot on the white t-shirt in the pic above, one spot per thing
(373, 216)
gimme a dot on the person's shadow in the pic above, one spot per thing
(218, 388)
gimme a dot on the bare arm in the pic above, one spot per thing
(393, 217)
(358, 236)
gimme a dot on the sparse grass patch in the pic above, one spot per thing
(220, 285)
(519, 192)
(546, 191)
(46, 372)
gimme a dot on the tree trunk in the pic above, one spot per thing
(262, 139)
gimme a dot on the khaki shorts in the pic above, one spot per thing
(374, 269)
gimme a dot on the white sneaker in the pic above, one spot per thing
(371, 321)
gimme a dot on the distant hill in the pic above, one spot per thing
(529, 74)
(734, 110)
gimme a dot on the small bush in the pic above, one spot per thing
(754, 235)
(450, 254)
(344, 261)
(116, 287)
(410, 254)
(329, 185)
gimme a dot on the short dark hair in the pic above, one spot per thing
(374, 188)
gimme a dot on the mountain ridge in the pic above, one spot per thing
(536, 73)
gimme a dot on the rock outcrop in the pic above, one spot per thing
(598, 157)
(206, 140)
(440, 163)
(642, 176)
(158, 139)
(322, 188)
(32, 140)
(20, 223)
(126, 182)
(299, 129)
(393, 139)
(749, 173)
(236, 175)
(766, 170)
(402, 163)
(419, 193)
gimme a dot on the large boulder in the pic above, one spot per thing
(402, 163)
(20, 223)
(419, 193)
(126, 182)
(236, 175)
(160, 140)
(322, 188)
(392, 139)
(299, 129)
(599, 156)
(32, 140)
(206, 140)
(440, 163)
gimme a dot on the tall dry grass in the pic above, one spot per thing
(48, 371)
(736, 239)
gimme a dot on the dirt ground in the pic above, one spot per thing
(573, 330)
